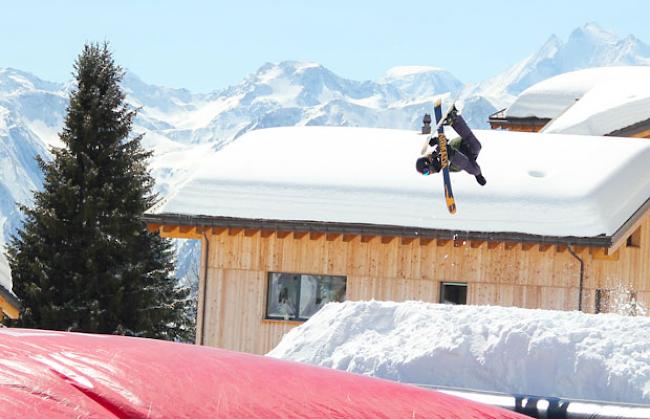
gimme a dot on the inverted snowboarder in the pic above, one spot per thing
(462, 151)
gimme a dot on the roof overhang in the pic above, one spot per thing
(168, 219)
(517, 121)
(621, 235)
(9, 304)
(632, 130)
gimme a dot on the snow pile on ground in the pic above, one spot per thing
(548, 353)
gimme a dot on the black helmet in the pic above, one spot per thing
(427, 165)
(422, 164)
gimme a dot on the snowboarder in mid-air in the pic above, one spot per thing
(462, 151)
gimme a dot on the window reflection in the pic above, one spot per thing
(299, 296)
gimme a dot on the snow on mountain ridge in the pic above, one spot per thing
(594, 33)
(408, 70)
(13, 81)
(163, 98)
(500, 89)
(587, 46)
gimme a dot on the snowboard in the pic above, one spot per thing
(444, 158)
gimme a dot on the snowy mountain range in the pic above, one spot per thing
(588, 46)
(185, 129)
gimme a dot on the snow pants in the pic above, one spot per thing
(465, 157)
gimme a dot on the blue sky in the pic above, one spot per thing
(208, 45)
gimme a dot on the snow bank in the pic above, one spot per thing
(512, 350)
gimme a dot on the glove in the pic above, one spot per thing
(435, 162)
(433, 141)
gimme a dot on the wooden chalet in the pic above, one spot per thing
(275, 249)
(500, 120)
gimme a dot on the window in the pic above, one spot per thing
(453, 293)
(299, 296)
(635, 239)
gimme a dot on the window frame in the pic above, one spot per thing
(634, 240)
(443, 284)
(297, 307)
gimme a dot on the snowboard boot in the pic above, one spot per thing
(481, 180)
(451, 116)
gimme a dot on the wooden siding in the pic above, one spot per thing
(397, 269)
(642, 134)
(521, 125)
(515, 127)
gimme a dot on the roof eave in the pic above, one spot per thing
(632, 223)
(371, 229)
(11, 299)
(631, 130)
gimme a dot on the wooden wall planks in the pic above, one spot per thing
(398, 269)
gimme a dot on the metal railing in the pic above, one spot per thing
(549, 407)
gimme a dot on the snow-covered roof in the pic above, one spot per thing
(541, 184)
(504, 349)
(595, 101)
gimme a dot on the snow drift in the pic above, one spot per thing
(602, 357)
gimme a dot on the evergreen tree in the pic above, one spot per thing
(83, 259)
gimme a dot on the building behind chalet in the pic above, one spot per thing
(610, 101)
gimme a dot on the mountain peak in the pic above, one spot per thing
(287, 67)
(592, 33)
(409, 70)
(12, 80)
(552, 41)
(549, 49)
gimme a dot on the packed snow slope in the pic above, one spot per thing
(511, 350)
(363, 175)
